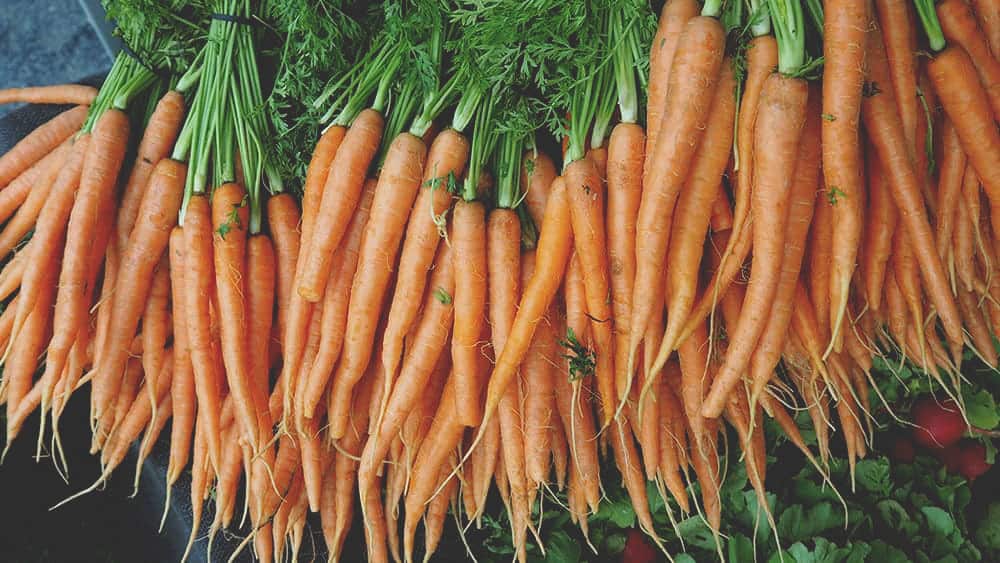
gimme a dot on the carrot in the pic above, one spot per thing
(426, 345)
(469, 236)
(962, 245)
(694, 208)
(397, 188)
(960, 28)
(444, 434)
(230, 219)
(648, 431)
(560, 451)
(988, 15)
(694, 74)
(156, 327)
(586, 199)
(25, 216)
(627, 460)
(538, 174)
(199, 289)
(58, 94)
(877, 247)
(979, 331)
(572, 391)
(335, 305)
(283, 219)
(884, 129)
(673, 442)
(345, 181)
(800, 211)
(139, 414)
(40, 142)
(446, 161)
(965, 102)
(14, 196)
(908, 277)
(895, 20)
(844, 49)
(437, 512)
(157, 216)
(504, 269)
(949, 187)
(624, 182)
(157, 141)
(260, 306)
(29, 344)
(780, 121)
(704, 457)
(200, 470)
(182, 385)
(538, 391)
(670, 27)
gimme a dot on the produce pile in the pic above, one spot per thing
(339, 248)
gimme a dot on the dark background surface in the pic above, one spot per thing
(47, 42)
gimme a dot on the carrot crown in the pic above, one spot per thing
(929, 21)
(789, 31)
(628, 35)
(483, 140)
(760, 19)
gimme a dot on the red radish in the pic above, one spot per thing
(949, 457)
(971, 459)
(903, 450)
(637, 548)
(938, 424)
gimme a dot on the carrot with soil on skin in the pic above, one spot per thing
(230, 221)
(340, 197)
(801, 202)
(845, 31)
(426, 345)
(694, 74)
(199, 283)
(39, 143)
(781, 117)
(960, 28)
(157, 217)
(26, 214)
(694, 208)
(670, 26)
(884, 129)
(57, 94)
(445, 161)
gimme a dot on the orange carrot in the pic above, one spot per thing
(230, 220)
(673, 19)
(58, 94)
(988, 14)
(182, 385)
(446, 160)
(586, 199)
(40, 142)
(538, 173)
(199, 290)
(14, 196)
(694, 208)
(538, 392)
(283, 219)
(625, 160)
(340, 197)
(469, 243)
(694, 74)
(156, 328)
(24, 219)
(884, 129)
(960, 28)
(157, 216)
(949, 187)
(157, 141)
(844, 47)
(427, 342)
(780, 120)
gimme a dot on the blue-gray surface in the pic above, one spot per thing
(46, 42)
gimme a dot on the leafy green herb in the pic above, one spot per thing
(582, 360)
(833, 195)
(442, 296)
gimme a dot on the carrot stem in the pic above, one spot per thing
(930, 23)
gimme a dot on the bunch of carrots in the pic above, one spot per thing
(753, 201)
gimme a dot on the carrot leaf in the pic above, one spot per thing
(582, 360)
